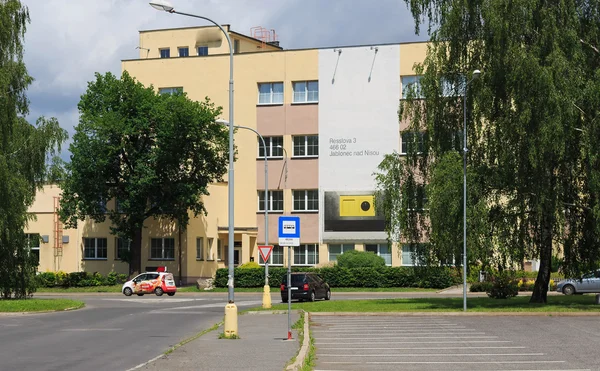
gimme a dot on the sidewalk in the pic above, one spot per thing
(263, 346)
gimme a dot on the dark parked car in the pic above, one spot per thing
(305, 286)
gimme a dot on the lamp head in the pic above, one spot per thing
(222, 122)
(476, 74)
(162, 5)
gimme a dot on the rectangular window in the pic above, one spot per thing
(275, 202)
(184, 52)
(306, 254)
(411, 86)
(94, 248)
(270, 93)
(307, 200)
(202, 51)
(276, 257)
(211, 249)
(453, 88)
(274, 147)
(409, 257)
(236, 46)
(165, 53)
(219, 250)
(381, 249)
(338, 249)
(162, 249)
(413, 141)
(121, 248)
(306, 92)
(176, 90)
(199, 248)
(33, 243)
(306, 146)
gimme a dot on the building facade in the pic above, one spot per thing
(327, 115)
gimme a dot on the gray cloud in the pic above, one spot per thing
(68, 41)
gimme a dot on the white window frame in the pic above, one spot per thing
(301, 142)
(170, 91)
(183, 48)
(198, 50)
(163, 255)
(302, 94)
(30, 237)
(343, 247)
(211, 249)
(199, 248)
(408, 82)
(95, 239)
(304, 197)
(408, 252)
(306, 247)
(120, 240)
(277, 251)
(379, 253)
(219, 250)
(160, 51)
(271, 201)
(272, 97)
(409, 138)
(272, 144)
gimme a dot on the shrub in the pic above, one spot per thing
(360, 259)
(504, 285)
(79, 279)
(480, 287)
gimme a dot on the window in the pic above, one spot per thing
(306, 200)
(306, 146)
(184, 52)
(275, 202)
(121, 248)
(236, 46)
(211, 249)
(94, 248)
(306, 92)
(419, 201)
(219, 250)
(411, 141)
(274, 147)
(452, 88)
(307, 254)
(381, 249)
(411, 85)
(202, 51)
(339, 249)
(409, 257)
(33, 243)
(165, 53)
(176, 90)
(199, 248)
(276, 257)
(270, 93)
(162, 249)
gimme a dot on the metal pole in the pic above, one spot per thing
(289, 284)
(465, 199)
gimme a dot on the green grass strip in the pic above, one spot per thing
(182, 343)
(583, 303)
(38, 305)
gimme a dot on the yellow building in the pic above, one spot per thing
(328, 117)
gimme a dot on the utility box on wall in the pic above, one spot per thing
(65, 239)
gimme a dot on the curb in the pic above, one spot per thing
(467, 314)
(304, 348)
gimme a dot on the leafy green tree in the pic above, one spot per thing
(360, 259)
(154, 154)
(534, 180)
(24, 151)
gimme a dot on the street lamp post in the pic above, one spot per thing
(230, 326)
(476, 74)
(267, 290)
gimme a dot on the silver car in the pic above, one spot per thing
(589, 282)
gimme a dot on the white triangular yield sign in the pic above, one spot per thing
(265, 251)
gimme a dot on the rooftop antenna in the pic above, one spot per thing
(339, 51)
(146, 49)
(373, 63)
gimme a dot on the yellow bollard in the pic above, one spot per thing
(266, 297)
(231, 321)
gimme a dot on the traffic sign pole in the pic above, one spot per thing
(289, 285)
(289, 235)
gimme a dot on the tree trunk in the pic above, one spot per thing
(540, 289)
(135, 265)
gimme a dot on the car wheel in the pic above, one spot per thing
(568, 290)
(158, 291)
(312, 296)
(140, 294)
(170, 293)
(127, 291)
(328, 295)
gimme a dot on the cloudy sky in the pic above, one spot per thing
(68, 41)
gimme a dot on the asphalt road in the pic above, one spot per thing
(112, 332)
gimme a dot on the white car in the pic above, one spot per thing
(150, 283)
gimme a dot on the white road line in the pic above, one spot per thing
(407, 333)
(417, 337)
(416, 348)
(438, 355)
(414, 342)
(91, 329)
(442, 362)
